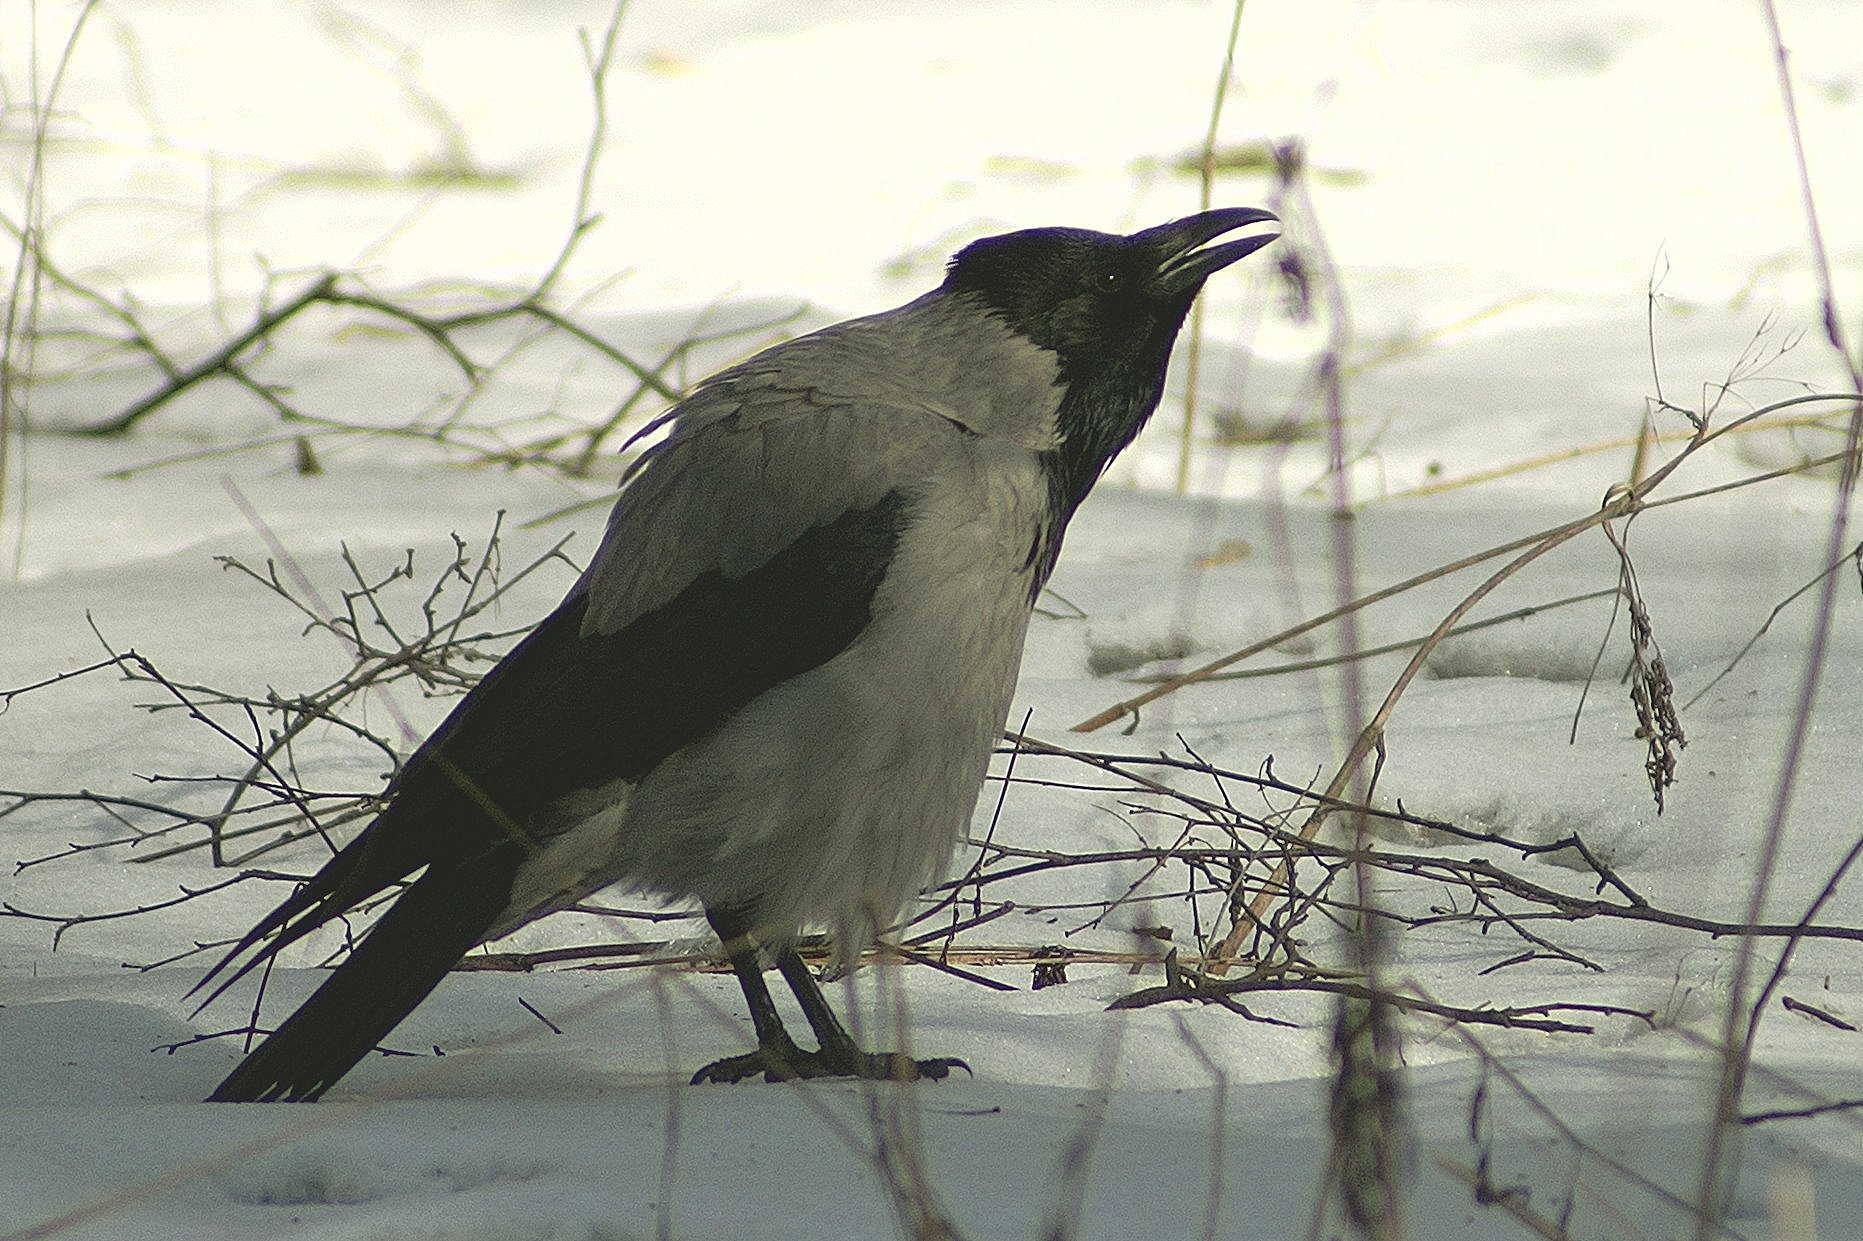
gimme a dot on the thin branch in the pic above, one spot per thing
(221, 360)
(1738, 1027)
(1638, 496)
(1206, 182)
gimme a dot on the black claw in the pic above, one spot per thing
(939, 1067)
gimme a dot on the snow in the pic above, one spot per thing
(1499, 185)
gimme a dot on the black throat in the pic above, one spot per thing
(1100, 414)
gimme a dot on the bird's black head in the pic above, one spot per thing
(1109, 307)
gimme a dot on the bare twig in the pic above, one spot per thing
(1854, 557)
(1206, 182)
(19, 324)
(1739, 1026)
(1801, 1113)
(1619, 505)
(1208, 990)
(222, 360)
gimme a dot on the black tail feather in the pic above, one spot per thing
(367, 865)
(406, 954)
(329, 893)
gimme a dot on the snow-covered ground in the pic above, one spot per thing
(1496, 182)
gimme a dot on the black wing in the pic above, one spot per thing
(564, 711)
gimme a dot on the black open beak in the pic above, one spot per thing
(1182, 266)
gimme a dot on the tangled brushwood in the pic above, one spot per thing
(1231, 907)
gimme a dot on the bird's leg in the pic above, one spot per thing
(840, 1056)
(777, 1057)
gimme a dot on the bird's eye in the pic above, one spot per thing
(1111, 281)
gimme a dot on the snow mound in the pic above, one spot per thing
(1564, 655)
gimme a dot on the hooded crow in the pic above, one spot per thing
(776, 688)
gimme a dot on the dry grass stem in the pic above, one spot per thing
(1739, 1024)
(1206, 183)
